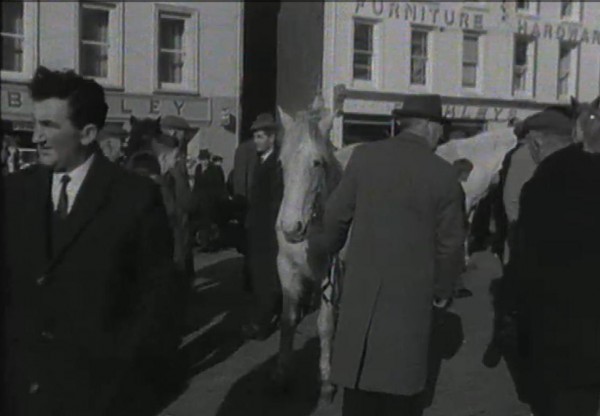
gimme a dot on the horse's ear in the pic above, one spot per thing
(284, 118)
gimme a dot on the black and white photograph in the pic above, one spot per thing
(300, 208)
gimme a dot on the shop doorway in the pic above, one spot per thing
(259, 79)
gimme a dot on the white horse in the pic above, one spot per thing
(312, 169)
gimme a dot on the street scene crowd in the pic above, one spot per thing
(99, 234)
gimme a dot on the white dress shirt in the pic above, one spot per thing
(266, 155)
(77, 176)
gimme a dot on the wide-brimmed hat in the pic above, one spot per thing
(174, 122)
(264, 121)
(551, 120)
(426, 106)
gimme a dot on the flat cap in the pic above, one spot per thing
(550, 120)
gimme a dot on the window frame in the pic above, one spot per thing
(191, 47)
(30, 45)
(428, 43)
(573, 74)
(375, 53)
(116, 35)
(530, 81)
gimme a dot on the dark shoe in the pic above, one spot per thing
(492, 356)
(463, 292)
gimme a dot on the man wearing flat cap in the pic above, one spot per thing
(405, 207)
(558, 272)
(263, 208)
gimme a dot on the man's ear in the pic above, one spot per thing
(89, 134)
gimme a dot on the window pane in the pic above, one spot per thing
(470, 49)
(469, 75)
(523, 4)
(362, 72)
(362, 59)
(521, 46)
(94, 24)
(418, 71)
(170, 67)
(419, 44)
(12, 17)
(12, 54)
(520, 78)
(171, 33)
(363, 36)
(94, 60)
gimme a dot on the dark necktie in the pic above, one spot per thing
(62, 208)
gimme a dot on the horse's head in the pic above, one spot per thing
(143, 131)
(310, 171)
(587, 126)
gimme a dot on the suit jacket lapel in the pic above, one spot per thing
(92, 197)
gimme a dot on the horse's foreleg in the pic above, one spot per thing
(288, 323)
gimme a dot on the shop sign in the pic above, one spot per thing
(423, 14)
(121, 106)
(488, 113)
(560, 31)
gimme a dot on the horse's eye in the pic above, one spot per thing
(317, 163)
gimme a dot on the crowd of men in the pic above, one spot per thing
(98, 256)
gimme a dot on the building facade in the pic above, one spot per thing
(153, 58)
(491, 61)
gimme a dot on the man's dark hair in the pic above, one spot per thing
(85, 97)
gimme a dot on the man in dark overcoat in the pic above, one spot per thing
(558, 244)
(88, 264)
(263, 208)
(405, 205)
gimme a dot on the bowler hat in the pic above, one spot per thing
(263, 121)
(427, 106)
(174, 122)
(550, 120)
(203, 154)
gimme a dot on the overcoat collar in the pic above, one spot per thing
(92, 197)
(412, 138)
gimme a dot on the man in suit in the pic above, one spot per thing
(89, 264)
(405, 206)
(557, 271)
(265, 200)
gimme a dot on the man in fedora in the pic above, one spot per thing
(266, 192)
(405, 207)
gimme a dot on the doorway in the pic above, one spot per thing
(259, 80)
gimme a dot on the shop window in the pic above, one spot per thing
(527, 6)
(177, 49)
(100, 46)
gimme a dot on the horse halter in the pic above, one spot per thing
(317, 209)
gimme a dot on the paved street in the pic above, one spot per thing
(229, 376)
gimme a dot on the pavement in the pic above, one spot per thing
(229, 376)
